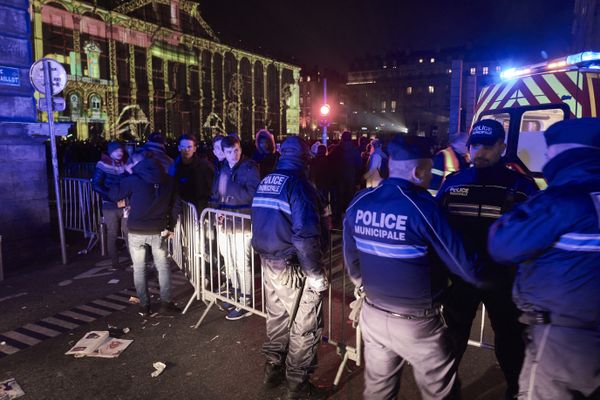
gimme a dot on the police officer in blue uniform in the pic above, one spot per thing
(393, 235)
(555, 239)
(474, 198)
(286, 232)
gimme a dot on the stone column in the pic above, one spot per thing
(265, 95)
(25, 211)
(253, 108)
(239, 99)
(150, 88)
(200, 93)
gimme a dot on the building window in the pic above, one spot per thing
(432, 60)
(420, 61)
(308, 78)
(409, 90)
(393, 105)
(486, 70)
(383, 106)
(449, 70)
(431, 89)
(498, 68)
(384, 66)
(92, 51)
(473, 71)
(301, 100)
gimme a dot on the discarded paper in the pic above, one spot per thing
(113, 281)
(99, 344)
(10, 389)
(159, 367)
(134, 300)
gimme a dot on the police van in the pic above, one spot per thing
(530, 99)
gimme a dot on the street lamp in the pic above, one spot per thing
(324, 110)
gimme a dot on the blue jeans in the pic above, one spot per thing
(137, 249)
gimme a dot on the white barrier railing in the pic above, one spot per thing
(185, 246)
(227, 263)
(81, 209)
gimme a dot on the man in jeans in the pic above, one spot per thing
(234, 189)
(154, 210)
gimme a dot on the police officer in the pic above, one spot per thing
(392, 233)
(451, 159)
(286, 233)
(555, 239)
(474, 199)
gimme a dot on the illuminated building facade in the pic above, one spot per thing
(155, 65)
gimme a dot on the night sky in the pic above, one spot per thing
(331, 33)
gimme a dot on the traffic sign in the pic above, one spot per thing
(57, 73)
(58, 104)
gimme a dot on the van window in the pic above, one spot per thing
(531, 149)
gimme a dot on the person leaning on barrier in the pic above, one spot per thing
(155, 208)
(393, 235)
(555, 239)
(234, 188)
(474, 198)
(286, 232)
(109, 170)
(193, 174)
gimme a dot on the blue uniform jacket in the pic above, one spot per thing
(555, 239)
(286, 217)
(474, 198)
(394, 237)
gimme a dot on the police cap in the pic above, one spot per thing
(585, 131)
(486, 132)
(409, 148)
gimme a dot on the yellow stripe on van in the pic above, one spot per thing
(575, 77)
(561, 91)
(492, 93)
(509, 86)
(536, 91)
(592, 94)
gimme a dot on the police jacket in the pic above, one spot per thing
(107, 173)
(555, 239)
(286, 217)
(474, 198)
(393, 235)
(152, 194)
(243, 179)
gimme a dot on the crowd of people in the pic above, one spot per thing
(421, 264)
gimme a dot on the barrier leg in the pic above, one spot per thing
(338, 375)
(189, 303)
(210, 305)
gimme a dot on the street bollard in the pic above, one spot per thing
(103, 240)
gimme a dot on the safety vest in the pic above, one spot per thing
(451, 164)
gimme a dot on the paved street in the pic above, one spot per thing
(46, 309)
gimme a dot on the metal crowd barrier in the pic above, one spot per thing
(79, 170)
(226, 254)
(81, 208)
(185, 247)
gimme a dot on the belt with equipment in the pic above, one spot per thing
(535, 317)
(409, 314)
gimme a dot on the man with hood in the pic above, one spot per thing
(109, 170)
(233, 191)
(156, 145)
(193, 174)
(265, 154)
(555, 239)
(154, 211)
(286, 232)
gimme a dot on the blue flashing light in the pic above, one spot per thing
(584, 56)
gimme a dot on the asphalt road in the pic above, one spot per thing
(219, 360)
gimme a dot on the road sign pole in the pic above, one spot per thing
(50, 112)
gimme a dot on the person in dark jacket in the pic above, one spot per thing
(474, 198)
(266, 154)
(193, 174)
(346, 169)
(448, 160)
(156, 145)
(286, 232)
(233, 191)
(320, 174)
(392, 235)
(154, 211)
(109, 170)
(555, 239)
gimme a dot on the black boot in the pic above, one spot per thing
(305, 391)
(274, 375)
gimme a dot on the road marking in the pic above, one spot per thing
(114, 306)
(77, 316)
(94, 310)
(28, 340)
(60, 322)
(94, 273)
(14, 296)
(40, 329)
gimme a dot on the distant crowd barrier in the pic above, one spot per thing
(81, 208)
